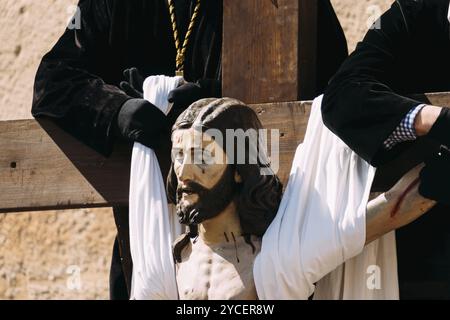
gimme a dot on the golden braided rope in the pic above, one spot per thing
(181, 52)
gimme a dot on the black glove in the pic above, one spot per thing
(435, 178)
(134, 83)
(440, 131)
(139, 120)
(186, 94)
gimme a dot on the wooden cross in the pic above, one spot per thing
(269, 52)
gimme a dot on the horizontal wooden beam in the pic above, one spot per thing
(44, 168)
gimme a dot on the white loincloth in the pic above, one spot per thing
(153, 225)
(321, 223)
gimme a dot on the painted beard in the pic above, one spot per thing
(210, 202)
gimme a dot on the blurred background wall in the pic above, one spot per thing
(66, 254)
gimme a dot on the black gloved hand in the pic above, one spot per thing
(133, 86)
(139, 120)
(186, 94)
(435, 178)
(440, 131)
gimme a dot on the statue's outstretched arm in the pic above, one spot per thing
(399, 206)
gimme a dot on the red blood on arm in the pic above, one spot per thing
(403, 195)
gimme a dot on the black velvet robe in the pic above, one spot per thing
(410, 53)
(77, 81)
(365, 102)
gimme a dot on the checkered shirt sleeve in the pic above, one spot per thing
(405, 131)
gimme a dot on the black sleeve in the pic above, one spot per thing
(70, 83)
(360, 105)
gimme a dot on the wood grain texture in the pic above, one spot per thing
(42, 167)
(291, 119)
(36, 173)
(269, 50)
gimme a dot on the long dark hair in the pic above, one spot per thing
(260, 194)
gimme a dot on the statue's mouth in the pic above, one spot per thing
(188, 191)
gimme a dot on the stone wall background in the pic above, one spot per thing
(66, 254)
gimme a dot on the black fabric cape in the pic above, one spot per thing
(77, 81)
(366, 101)
(409, 53)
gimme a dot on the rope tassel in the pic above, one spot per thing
(181, 52)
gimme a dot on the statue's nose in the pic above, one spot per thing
(186, 171)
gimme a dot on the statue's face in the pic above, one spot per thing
(206, 183)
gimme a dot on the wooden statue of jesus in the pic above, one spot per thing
(229, 204)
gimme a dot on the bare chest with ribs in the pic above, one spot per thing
(219, 272)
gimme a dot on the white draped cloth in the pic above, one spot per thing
(314, 245)
(153, 223)
(316, 242)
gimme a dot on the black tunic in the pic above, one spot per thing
(77, 81)
(365, 102)
(410, 53)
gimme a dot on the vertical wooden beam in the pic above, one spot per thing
(269, 50)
